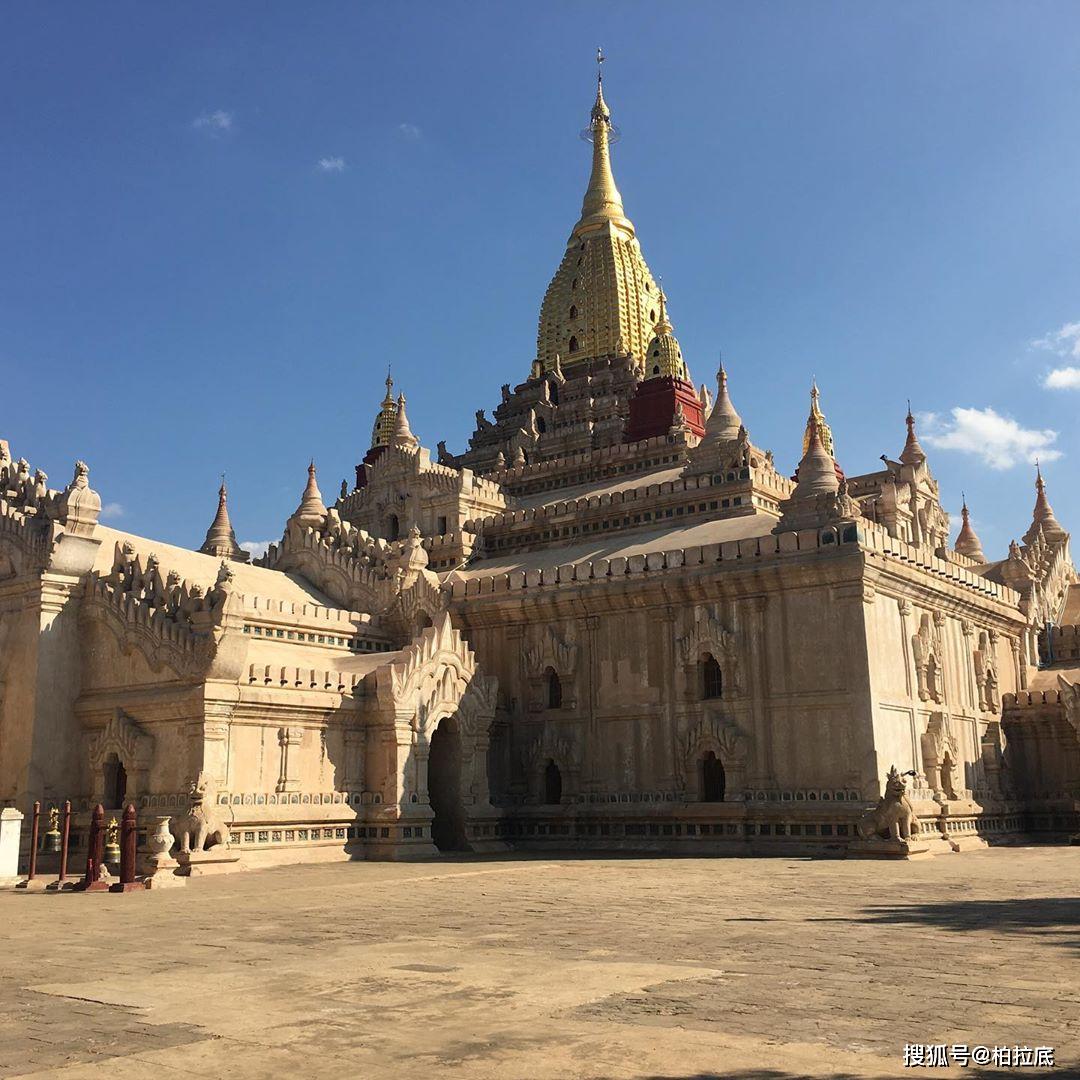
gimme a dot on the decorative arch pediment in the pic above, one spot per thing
(122, 736)
(550, 649)
(707, 633)
(438, 676)
(721, 735)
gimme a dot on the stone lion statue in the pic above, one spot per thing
(202, 826)
(894, 816)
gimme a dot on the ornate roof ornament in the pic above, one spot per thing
(817, 418)
(967, 542)
(1043, 514)
(311, 513)
(913, 453)
(220, 538)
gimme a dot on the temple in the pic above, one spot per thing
(612, 620)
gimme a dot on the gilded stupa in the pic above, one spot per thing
(603, 299)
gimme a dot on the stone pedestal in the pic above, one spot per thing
(158, 869)
(10, 831)
(876, 848)
(218, 860)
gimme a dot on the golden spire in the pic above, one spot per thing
(386, 420)
(602, 203)
(603, 301)
(817, 417)
(664, 357)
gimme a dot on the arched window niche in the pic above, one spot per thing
(554, 689)
(712, 678)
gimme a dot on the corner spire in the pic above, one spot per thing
(403, 435)
(220, 539)
(913, 453)
(724, 421)
(1043, 515)
(602, 204)
(817, 470)
(967, 542)
(311, 513)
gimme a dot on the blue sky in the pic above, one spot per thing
(221, 222)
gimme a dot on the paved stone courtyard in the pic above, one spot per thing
(520, 967)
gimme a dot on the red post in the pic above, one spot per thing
(95, 852)
(34, 829)
(128, 842)
(64, 842)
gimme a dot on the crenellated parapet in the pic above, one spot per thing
(173, 622)
(873, 542)
(1041, 571)
(343, 561)
(737, 491)
(35, 518)
(75, 508)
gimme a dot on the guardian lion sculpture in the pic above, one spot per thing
(202, 826)
(894, 817)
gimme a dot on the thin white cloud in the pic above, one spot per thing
(409, 131)
(1063, 378)
(111, 510)
(331, 164)
(999, 441)
(215, 123)
(257, 548)
(1064, 342)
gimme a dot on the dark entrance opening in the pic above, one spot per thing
(552, 784)
(115, 782)
(444, 787)
(712, 778)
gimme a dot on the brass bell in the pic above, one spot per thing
(52, 835)
(112, 842)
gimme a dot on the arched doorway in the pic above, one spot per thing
(115, 782)
(552, 784)
(393, 527)
(712, 778)
(444, 787)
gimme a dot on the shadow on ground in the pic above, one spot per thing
(1056, 917)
